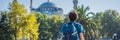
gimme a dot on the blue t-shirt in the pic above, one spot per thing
(78, 27)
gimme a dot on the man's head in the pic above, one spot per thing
(73, 16)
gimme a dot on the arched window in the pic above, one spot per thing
(52, 9)
(44, 9)
(48, 9)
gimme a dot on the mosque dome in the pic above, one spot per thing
(48, 4)
(49, 8)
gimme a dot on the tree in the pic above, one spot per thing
(56, 23)
(29, 27)
(88, 22)
(5, 33)
(16, 13)
(110, 22)
(50, 26)
(23, 26)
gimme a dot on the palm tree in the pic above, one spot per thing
(88, 22)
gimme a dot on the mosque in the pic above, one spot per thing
(48, 8)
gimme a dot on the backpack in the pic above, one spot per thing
(70, 32)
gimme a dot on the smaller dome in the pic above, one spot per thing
(48, 4)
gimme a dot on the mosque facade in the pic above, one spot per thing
(48, 8)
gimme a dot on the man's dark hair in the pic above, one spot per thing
(73, 16)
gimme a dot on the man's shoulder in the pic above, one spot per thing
(64, 24)
(76, 23)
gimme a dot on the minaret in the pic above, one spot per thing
(31, 5)
(15, 0)
(48, 0)
(75, 2)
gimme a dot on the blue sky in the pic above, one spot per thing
(67, 5)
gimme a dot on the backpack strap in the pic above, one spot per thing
(74, 25)
(76, 28)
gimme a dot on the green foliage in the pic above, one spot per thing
(110, 21)
(17, 24)
(50, 26)
(15, 16)
(87, 19)
(5, 32)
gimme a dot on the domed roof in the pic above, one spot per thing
(48, 4)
